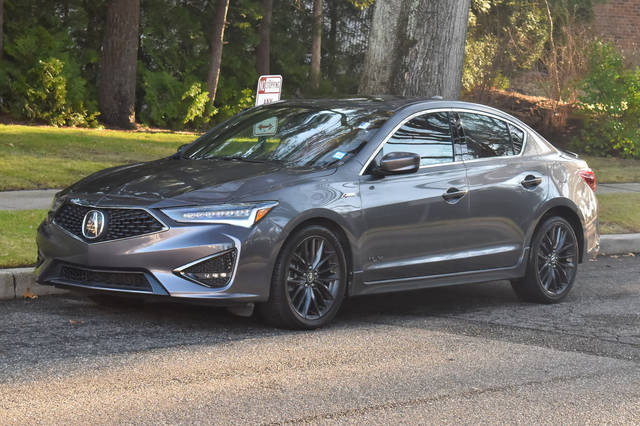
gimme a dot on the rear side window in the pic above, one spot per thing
(517, 138)
(483, 137)
(428, 135)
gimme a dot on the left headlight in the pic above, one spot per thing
(55, 205)
(239, 214)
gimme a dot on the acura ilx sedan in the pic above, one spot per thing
(292, 207)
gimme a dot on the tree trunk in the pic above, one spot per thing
(217, 40)
(117, 89)
(1, 28)
(264, 48)
(333, 39)
(316, 43)
(416, 48)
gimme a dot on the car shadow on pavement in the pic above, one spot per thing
(71, 326)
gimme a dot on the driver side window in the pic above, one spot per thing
(428, 135)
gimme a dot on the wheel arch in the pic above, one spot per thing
(567, 210)
(335, 224)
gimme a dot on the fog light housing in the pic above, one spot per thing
(213, 271)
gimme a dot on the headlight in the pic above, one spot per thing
(55, 205)
(240, 214)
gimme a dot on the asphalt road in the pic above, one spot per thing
(460, 355)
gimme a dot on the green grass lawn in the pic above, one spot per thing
(619, 213)
(614, 170)
(18, 237)
(33, 157)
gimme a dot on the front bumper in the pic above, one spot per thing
(158, 258)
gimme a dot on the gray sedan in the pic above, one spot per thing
(294, 206)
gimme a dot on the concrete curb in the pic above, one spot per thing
(16, 283)
(619, 244)
(20, 282)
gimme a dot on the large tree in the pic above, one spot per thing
(263, 51)
(316, 43)
(217, 41)
(117, 88)
(416, 48)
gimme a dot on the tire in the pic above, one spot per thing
(309, 280)
(112, 301)
(552, 265)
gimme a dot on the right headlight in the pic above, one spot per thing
(239, 214)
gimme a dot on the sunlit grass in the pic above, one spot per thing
(619, 213)
(47, 157)
(18, 237)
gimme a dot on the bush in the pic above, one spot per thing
(171, 103)
(40, 81)
(610, 102)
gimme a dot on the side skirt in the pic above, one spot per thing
(360, 287)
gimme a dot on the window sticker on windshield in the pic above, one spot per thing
(268, 127)
(339, 155)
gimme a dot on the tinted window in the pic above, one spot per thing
(484, 137)
(517, 138)
(428, 135)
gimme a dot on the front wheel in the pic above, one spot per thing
(552, 265)
(309, 280)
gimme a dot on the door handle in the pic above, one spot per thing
(454, 194)
(531, 181)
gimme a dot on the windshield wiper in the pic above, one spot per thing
(248, 160)
(237, 158)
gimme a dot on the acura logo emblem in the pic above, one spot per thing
(93, 224)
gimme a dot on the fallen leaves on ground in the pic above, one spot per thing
(29, 295)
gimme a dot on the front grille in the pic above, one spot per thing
(120, 223)
(214, 272)
(107, 279)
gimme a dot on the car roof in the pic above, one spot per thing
(384, 102)
(390, 103)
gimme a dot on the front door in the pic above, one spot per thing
(415, 222)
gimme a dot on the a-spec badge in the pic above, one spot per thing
(93, 224)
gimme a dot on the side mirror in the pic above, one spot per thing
(398, 163)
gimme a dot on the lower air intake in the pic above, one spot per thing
(112, 280)
(213, 272)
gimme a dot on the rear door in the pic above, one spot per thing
(415, 222)
(506, 187)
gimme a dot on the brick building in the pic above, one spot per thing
(619, 21)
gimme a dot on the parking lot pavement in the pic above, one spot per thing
(465, 354)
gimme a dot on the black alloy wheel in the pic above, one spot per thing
(553, 263)
(309, 280)
(313, 278)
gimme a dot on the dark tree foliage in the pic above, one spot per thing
(53, 56)
(1, 28)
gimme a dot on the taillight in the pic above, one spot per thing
(590, 178)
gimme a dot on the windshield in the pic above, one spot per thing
(291, 135)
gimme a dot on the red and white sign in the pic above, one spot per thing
(269, 89)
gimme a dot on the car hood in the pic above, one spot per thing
(171, 182)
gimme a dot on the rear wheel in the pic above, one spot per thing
(552, 265)
(309, 280)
